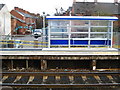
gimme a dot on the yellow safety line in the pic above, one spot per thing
(25, 44)
(62, 46)
(46, 46)
(23, 41)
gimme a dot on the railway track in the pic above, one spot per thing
(61, 79)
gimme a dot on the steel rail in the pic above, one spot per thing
(60, 85)
(60, 73)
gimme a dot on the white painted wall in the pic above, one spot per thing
(5, 21)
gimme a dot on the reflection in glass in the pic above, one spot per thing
(99, 29)
(99, 23)
(79, 29)
(79, 35)
(98, 36)
(59, 35)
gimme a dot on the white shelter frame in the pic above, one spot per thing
(62, 28)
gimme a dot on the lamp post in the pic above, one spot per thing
(43, 20)
(4, 24)
(43, 30)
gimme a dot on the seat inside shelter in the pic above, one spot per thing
(80, 31)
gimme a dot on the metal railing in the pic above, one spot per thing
(29, 41)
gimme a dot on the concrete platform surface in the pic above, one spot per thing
(60, 51)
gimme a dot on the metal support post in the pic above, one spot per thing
(111, 34)
(69, 34)
(43, 30)
(49, 35)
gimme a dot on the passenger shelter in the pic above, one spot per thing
(80, 31)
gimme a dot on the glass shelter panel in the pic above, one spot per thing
(79, 36)
(79, 29)
(60, 23)
(58, 35)
(59, 29)
(100, 36)
(99, 23)
(99, 29)
(79, 23)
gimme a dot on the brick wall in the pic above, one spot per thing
(29, 21)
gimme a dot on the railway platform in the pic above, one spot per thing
(60, 51)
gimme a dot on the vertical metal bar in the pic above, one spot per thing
(49, 33)
(69, 35)
(43, 30)
(108, 37)
(111, 34)
(89, 31)
(70, 30)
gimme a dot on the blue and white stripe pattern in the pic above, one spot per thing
(112, 18)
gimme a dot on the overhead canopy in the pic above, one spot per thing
(113, 18)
